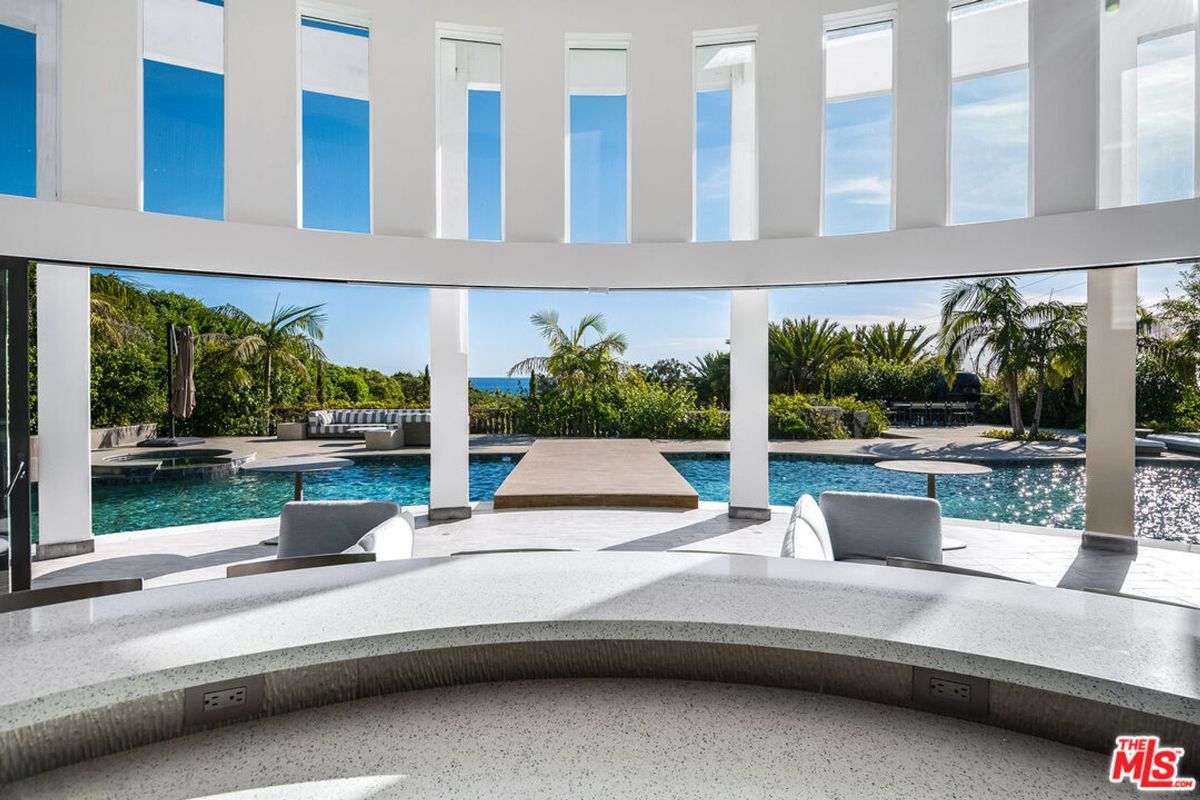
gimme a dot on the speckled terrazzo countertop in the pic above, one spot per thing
(89, 654)
(592, 739)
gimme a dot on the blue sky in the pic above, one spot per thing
(387, 328)
(18, 98)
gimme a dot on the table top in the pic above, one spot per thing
(299, 464)
(368, 429)
(932, 467)
(1135, 654)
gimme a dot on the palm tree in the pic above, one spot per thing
(112, 300)
(988, 317)
(711, 379)
(1054, 332)
(896, 342)
(801, 352)
(574, 363)
(289, 337)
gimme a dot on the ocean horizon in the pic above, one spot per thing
(505, 385)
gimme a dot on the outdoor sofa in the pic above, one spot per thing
(337, 422)
(864, 528)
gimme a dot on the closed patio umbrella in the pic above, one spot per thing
(183, 385)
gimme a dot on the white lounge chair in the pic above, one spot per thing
(345, 526)
(865, 528)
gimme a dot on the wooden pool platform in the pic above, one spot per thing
(620, 473)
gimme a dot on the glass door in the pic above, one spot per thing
(14, 425)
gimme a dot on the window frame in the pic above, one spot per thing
(860, 19)
(724, 37)
(596, 41)
(349, 17)
(42, 19)
(472, 35)
(955, 5)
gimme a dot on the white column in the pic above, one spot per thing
(790, 85)
(660, 106)
(453, 93)
(1111, 359)
(1064, 94)
(748, 497)
(535, 160)
(922, 98)
(449, 475)
(64, 412)
(100, 97)
(743, 166)
(403, 61)
(262, 125)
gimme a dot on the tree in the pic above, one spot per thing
(667, 372)
(895, 342)
(114, 300)
(987, 318)
(711, 379)
(800, 353)
(575, 364)
(289, 337)
(1052, 337)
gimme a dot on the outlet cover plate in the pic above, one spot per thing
(924, 697)
(194, 715)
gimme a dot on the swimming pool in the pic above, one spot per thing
(1032, 493)
(1028, 492)
(157, 504)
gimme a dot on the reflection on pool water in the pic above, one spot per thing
(1030, 493)
(1033, 493)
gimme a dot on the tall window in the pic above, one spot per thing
(470, 170)
(1148, 102)
(336, 127)
(989, 111)
(184, 107)
(18, 99)
(858, 129)
(598, 146)
(726, 173)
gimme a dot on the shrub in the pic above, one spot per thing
(884, 380)
(795, 417)
(1008, 436)
(707, 422)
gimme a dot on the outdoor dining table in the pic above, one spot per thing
(931, 468)
(299, 465)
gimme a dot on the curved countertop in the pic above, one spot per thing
(91, 654)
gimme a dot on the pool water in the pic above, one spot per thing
(157, 504)
(1030, 493)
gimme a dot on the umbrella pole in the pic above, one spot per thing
(171, 374)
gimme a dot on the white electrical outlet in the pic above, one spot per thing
(224, 698)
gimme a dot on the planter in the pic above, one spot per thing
(125, 436)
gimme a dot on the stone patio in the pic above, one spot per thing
(1045, 556)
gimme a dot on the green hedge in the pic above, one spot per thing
(857, 377)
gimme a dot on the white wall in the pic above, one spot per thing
(64, 405)
(449, 475)
(261, 159)
(100, 153)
